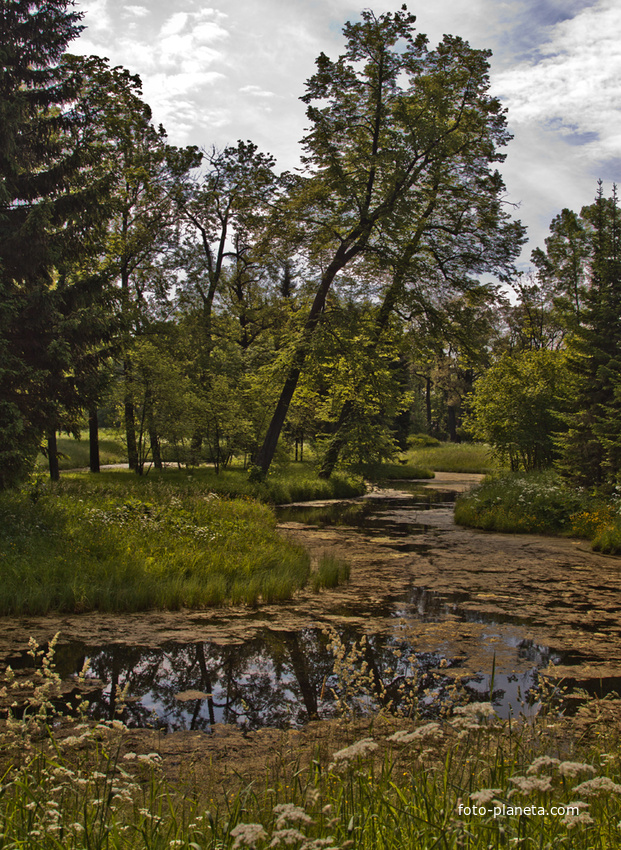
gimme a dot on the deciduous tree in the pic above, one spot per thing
(397, 131)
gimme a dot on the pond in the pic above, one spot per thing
(413, 651)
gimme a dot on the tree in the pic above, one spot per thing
(516, 407)
(51, 190)
(591, 448)
(143, 224)
(393, 126)
(564, 264)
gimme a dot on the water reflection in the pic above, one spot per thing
(278, 679)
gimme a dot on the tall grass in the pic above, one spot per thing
(542, 503)
(453, 457)
(536, 503)
(293, 482)
(469, 780)
(80, 549)
(392, 471)
(74, 454)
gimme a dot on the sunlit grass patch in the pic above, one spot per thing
(74, 454)
(393, 471)
(454, 457)
(292, 482)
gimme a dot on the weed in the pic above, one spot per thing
(330, 572)
(536, 503)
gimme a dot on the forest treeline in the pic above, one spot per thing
(218, 308)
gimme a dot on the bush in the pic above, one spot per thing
(520, 502)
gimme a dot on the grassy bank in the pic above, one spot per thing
(121, 542)
(392, 471)
(74, 454)
(78, 550)
(467, 780)
(541, 503)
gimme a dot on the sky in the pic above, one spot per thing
(235, 69)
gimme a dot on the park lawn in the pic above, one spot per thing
(454, 457)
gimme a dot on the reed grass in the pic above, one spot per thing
(79, 549)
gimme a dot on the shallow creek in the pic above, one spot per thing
(432, 611)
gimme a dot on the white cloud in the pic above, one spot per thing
(174, 24)
(256, 91)
(137, 11)
(574, 84)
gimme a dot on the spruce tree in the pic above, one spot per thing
(49, 187)
(591, 448)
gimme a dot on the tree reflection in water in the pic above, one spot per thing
(277, 679)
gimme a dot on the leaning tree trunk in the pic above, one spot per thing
(267, 450)
(390, 299)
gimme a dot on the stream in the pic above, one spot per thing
(433, 614)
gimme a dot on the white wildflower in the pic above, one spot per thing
(486, 795)
(542, 761)
(477, 709)
(528, 784)
(288, 813)
(597, 785)
(286, 837)
(573, 768)
(358, 750)
(247, 834)
(570, 820)
(405, 737)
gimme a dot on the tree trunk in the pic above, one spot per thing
(452, 424)
(428, 403)
(93, 439)
(52, 455)
(267, 450)
(390, 300)
(155, 448)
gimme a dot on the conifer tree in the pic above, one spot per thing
(591, 448)
(51, 191)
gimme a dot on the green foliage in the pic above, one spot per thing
(516, 407)
(591, 448)
(535, 503)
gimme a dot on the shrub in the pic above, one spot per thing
(519, 502)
